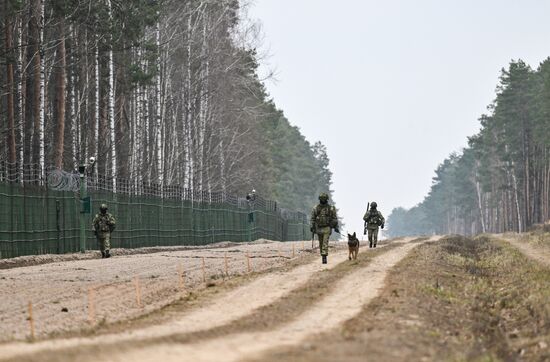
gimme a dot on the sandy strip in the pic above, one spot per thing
(228, 307)
(346, 301)
(540, 254)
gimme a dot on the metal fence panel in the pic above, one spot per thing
(37, 220)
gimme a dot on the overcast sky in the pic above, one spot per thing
(392, 87)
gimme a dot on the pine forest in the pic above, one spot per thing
(163, 92)
(501, 181)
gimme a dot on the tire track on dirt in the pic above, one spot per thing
(346, 301)
(538, 254)
(229, 307)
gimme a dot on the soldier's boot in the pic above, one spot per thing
(107, 254)
(102, 254)
(370, 244)
(324, 259)
(375, 244)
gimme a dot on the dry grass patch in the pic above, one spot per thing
(459, 299)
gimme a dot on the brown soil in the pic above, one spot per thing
(59, 291)
(264, 298)
(456, 299)
(31, 260)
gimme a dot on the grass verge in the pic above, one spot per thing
(458, 299)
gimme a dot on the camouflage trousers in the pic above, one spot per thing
(324, 235)
(104, 241)
(373, 236)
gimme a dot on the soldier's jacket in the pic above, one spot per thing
(374, 219)
(324, 216)
(104, 224)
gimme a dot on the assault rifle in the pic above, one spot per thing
(365, 226)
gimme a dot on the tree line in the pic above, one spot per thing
(157, 91)
(501, 181)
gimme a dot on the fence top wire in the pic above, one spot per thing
(59, 180)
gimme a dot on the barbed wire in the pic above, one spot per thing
(60, 180)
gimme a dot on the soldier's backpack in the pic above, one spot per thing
(374, 218)
(325, 216)
(105, 224)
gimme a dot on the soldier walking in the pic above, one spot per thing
(323, 220)
(104, 224)
(373, 219)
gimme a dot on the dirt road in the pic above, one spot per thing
(60, 290)
(528, 247)
(343, 302)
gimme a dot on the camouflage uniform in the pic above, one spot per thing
(373, 219)
(323, 220)
(104, 224)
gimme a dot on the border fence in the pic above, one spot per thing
(38, 217)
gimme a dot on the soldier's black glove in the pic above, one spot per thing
(337, 230)
(382, 226)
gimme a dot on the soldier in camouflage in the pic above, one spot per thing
(373, 219)
(104, 224)
(323, 220)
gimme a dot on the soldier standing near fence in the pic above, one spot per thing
(323, 220)
(104, 224)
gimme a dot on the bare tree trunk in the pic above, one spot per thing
(94, 149)
(83, 96)
(479, 203)
(138, 129)
(60, 99)
(74, 130)
(32, 92)
(160, 147)
(41, 89)
(37, 25)
(12, 158)
(187, 124)
(111, 104)
(146, 133)
(21, 89)
(516, 198)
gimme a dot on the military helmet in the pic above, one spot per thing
(103, 207)
(373, 204)
(323, 196)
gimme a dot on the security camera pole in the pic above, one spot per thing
(84, 202)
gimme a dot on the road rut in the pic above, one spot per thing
(344, 302)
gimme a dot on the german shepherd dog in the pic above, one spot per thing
(353, 245)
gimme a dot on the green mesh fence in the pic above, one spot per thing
(37, 220)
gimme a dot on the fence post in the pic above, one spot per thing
(58, 225)
(91, 306)
(83, 198)
(31, 321)
(226, 266)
